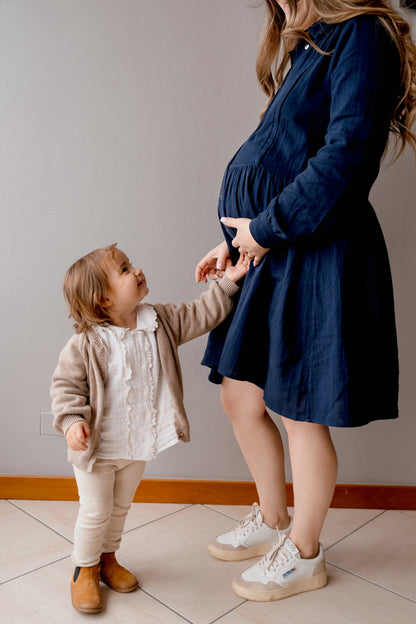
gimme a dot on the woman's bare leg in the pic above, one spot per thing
(261, 444)
(314, 471)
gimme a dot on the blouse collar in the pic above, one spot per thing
(146, 318)
(146, 321)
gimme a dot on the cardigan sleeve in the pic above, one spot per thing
(69, 390)
(364, 76)
(189, 320)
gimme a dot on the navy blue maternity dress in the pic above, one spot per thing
(314, 325)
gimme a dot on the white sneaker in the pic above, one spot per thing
(250, 538)
(282, 573)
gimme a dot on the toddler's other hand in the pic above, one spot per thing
(239, 269)
(77, 436)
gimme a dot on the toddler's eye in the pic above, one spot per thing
(124, 269)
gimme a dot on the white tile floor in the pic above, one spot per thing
(371, 561)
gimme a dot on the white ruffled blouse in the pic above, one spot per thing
(138, 418)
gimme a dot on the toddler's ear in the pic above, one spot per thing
(106, 302)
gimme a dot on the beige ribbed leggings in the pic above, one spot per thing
(105, 496)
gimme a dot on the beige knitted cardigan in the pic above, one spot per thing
(79, 380)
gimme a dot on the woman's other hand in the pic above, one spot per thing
(213, 263)
(243, 239)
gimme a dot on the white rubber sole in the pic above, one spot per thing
(238, 555)
(269, 595)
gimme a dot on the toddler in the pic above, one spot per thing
(117, 397)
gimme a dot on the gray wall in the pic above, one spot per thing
(117, 121)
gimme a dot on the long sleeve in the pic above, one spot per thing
(363, 72)
(189, 320)
(69, 389)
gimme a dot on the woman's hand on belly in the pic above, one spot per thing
(243, 239)
(213, 263)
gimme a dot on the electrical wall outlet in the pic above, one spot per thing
(46, 428)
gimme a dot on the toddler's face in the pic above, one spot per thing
(127, 284)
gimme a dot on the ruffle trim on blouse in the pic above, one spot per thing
(146, 318)
(151, 391)
(146, 324)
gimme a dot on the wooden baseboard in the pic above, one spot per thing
(189, 491)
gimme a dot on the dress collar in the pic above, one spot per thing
(317, 28)
(315, 32)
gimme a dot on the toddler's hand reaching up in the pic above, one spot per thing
(239, 269)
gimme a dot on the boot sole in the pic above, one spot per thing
(269, 595)
(88, 610)
(239, 555)
(120, 591)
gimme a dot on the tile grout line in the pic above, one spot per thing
(171, 513)
(228, 612)
(41, 522)
(355, 530)
(45, 565)
(160, 601)
(165, 605)
(366, 580)
(221, 513)
(357, 575)
(124, 532)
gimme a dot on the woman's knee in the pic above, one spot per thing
(242, 400)
(306, 432)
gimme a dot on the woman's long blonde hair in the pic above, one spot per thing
(279, 37)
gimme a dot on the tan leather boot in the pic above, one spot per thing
(115, 576)
(85, 590)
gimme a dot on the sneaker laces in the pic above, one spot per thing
(246, 526)
(277, 557)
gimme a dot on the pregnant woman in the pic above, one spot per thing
(313, 335)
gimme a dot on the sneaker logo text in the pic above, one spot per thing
(289, 572)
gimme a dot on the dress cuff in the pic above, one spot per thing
(261, 231)
(227, 286)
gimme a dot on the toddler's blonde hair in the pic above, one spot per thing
(86, 286)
